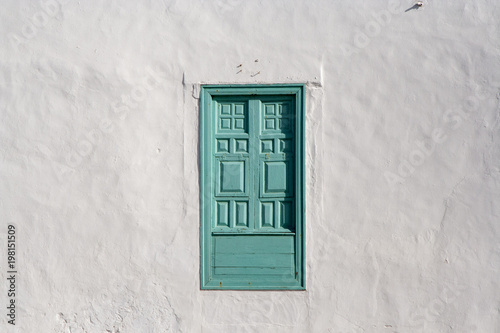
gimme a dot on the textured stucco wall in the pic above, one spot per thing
(99, 162)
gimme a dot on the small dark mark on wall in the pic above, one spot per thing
(416, 6)
(255, 74)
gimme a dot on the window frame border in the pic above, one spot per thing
(207, 91)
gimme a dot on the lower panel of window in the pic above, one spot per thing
(253, 261)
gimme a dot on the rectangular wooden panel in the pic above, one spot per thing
(241, 213)
(268, 259)
(249, 271)
(254, 244)
(223, 213)
(252, 257)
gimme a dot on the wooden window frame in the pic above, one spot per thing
(207, 92)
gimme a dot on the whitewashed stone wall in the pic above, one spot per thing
(99, 162)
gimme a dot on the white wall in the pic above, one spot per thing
(104, 197)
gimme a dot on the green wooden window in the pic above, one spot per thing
(252, 186)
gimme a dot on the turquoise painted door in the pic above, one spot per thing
(249, 195)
